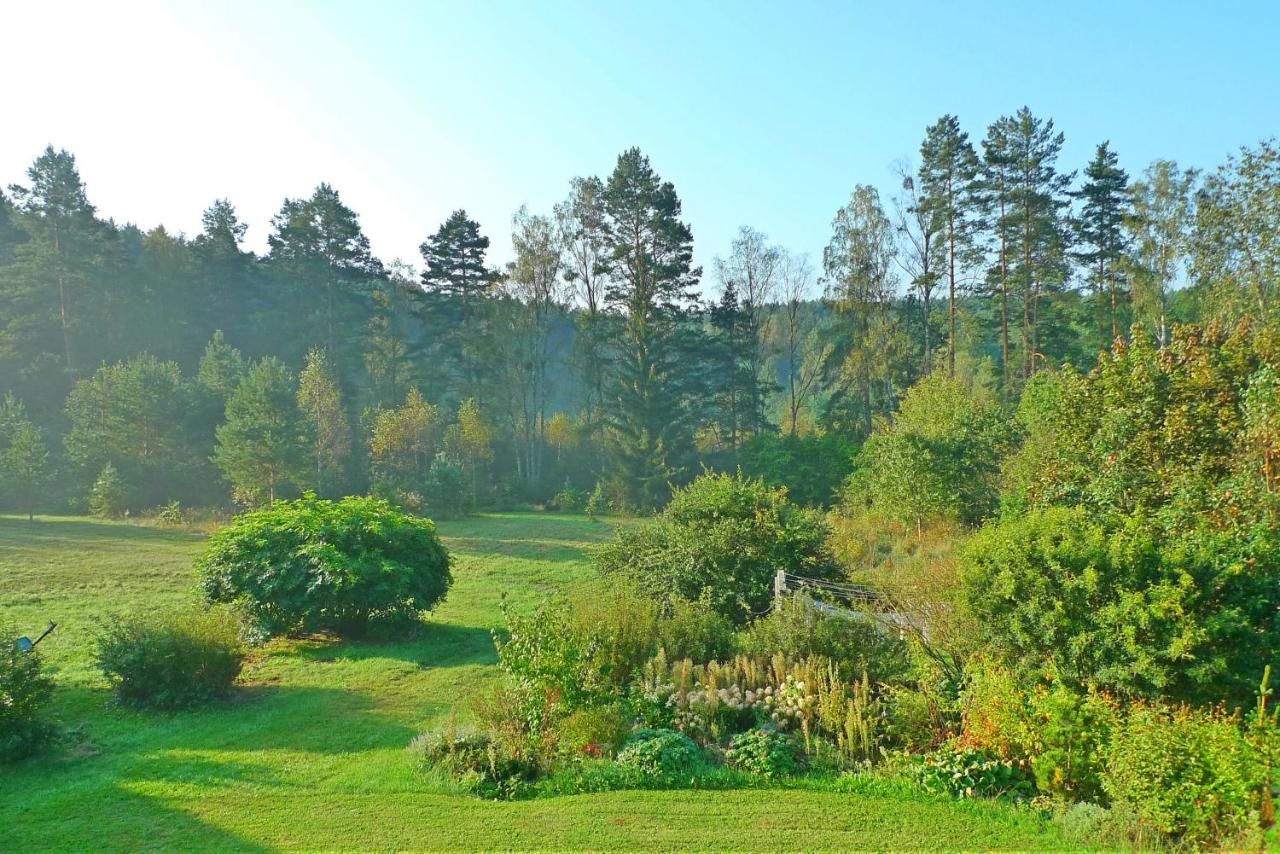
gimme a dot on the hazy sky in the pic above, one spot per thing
(764, 114)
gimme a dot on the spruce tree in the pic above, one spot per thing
(649, 259)
(1101, 241)
(262, 447)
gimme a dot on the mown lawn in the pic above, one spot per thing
(312, 752)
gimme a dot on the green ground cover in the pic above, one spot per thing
(312, 754)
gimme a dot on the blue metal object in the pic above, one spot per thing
(26, 644)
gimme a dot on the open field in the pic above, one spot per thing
(311, 753)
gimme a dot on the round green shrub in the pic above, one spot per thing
(25, 690)
(316, 565)
(172, 659)
(594, 730)
(765, 753)
(723, 536)
(660, 754)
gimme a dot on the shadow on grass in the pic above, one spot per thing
(435, 645)
(62, 532)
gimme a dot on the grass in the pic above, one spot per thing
(312, 751)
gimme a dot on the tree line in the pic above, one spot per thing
(145, 367)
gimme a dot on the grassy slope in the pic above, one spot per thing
(312, 751)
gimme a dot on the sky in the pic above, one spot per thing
(761, 114)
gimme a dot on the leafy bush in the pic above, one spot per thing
(811, 468)
(723, 536)
(916, 718)
(1058, 595)
(324, 565)
(1189, 774)
(597, 502)
(171, 659)
(594, 731)
(975, 774)
(171, 515)
(693, 629)
(585, 648)
(25, 691)
(939, 459)
(475, 762)
(765, 753)
(996, 715)
(660, 754)
(109, 496)
(798, 629)
(569, 500)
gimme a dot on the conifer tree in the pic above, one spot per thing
(649, 254)
(320, 400)
(1100, 244)
(262, 447)
(949, 186)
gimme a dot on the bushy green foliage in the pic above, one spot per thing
(594, 730)
(25, 691)
(171, 659)
(1057, 594)
(939, 459)
(475, 763)
(448, 491)
(810, 467)
(660, 754)
(109, 497)
(312, 564)
(765, 753)
(1189, 774)
(975, 774)
(798, 629)
(693, 629)
(723, 536)
(1074, 731)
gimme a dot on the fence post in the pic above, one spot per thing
(779, 585)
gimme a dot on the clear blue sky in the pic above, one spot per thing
(761, 114)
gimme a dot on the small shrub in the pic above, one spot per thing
(1073, 731)
(916, 719)
(597, 502)
(109, 497)
(448, 492)
(171, 515)
(693, 629)
(996, 714)
(25, 691)
(975, 774)
(594, 731)
(475, 763)
(798, 629)
(1188, 774)
(343, 566)
(765, 753)
(660, 754)
(172, 660)
(569, 500)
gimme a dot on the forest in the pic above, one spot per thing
(144, 368)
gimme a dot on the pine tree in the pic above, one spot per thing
(262, 447)
(64, 252)
(1101, 240)
(649, 253)
(457, 280)
(319, 239)
(1036, 198)
(949, 187)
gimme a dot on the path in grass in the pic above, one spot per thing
(312, 752)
